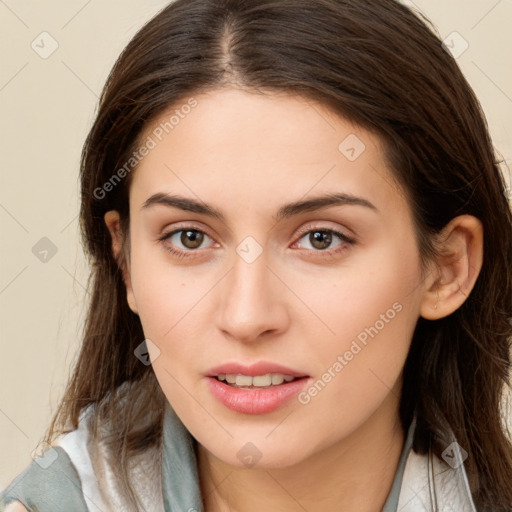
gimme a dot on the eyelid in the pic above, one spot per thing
(166, 235)
(323, 227)
(184, 226)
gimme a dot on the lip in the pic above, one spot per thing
(259, 368)
(255, 400)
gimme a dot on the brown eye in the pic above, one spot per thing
(325, 242)
(320, 239)
(191, 239)
(184, 240)
(187, 242)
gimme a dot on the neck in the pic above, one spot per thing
(354, 474)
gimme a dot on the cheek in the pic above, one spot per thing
(367, 290)
(172, 302)
(164, 292)
(373, 310)
(168, 306)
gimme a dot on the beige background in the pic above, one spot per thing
(47, 106)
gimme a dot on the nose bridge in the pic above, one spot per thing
(252, 301)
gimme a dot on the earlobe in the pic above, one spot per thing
(460, 248)
(112, 220)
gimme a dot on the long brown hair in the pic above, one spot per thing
(381, 66)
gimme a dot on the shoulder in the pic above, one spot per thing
(52, 481)
(80, 473)
(49, 483)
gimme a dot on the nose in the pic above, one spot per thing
(253, 301)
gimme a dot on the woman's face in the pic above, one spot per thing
(310, 264)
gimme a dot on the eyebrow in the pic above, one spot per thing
(286, 211)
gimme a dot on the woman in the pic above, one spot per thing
(300, 242)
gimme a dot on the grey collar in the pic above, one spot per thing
(422, 483)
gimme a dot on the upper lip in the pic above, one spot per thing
(259, 368)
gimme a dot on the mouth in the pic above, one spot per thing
(269, 380)
(261, 392)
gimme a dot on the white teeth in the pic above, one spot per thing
(277, 379)
(243, 380)
(261, 380)
(270, 379)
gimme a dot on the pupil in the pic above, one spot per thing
(321, 239)
(191, 236)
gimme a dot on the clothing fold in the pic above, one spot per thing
(78, 477)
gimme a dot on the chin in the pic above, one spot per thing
(259, 455)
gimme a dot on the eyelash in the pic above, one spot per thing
(326, 252)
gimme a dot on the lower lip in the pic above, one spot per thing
(254, 400)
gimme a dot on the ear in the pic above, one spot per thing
(456, 269)
(112, 220)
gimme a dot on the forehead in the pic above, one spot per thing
(253, 149)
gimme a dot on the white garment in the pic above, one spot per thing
(446, 489)
(429, 484)
(99, 487)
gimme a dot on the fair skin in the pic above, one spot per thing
(247, 155)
